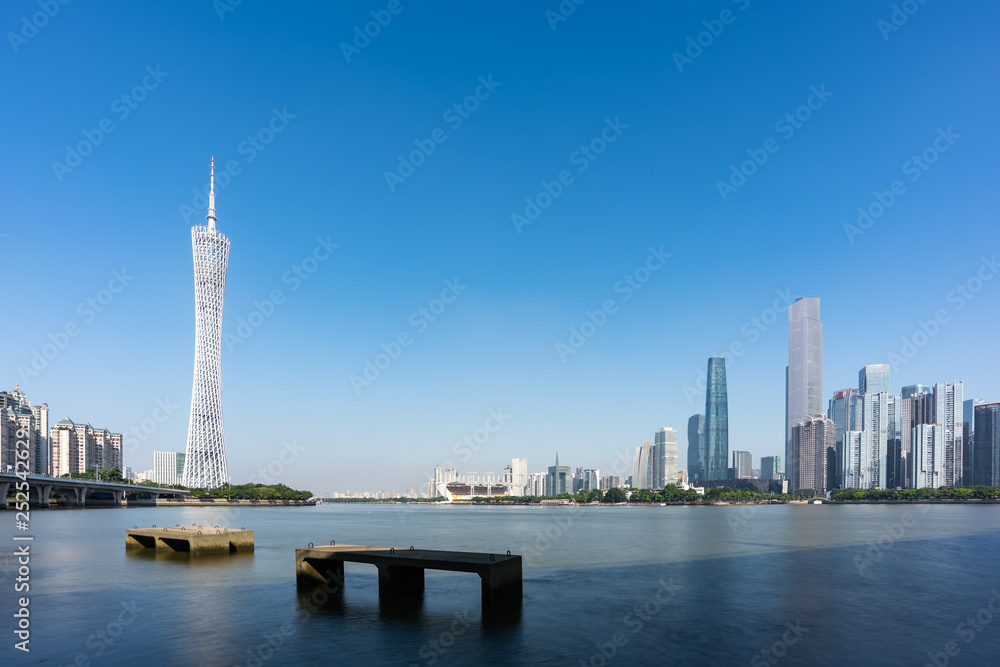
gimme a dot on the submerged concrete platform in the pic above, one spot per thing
(402, 570)
(197, 540)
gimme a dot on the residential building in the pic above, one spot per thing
(814, 441)
(948, 400)
(716, 420)
(928, 467)
(915, 407)
(986, 468)
(804, 373)
(77, 448)
(846, 409)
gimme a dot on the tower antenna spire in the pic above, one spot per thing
(211, 198)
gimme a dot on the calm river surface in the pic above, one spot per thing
(784, 584)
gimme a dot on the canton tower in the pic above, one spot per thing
(205, 458)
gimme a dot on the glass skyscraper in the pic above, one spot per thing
(804, 374)
(696, 448)
(716, 421)
(987, 449)
(874, 379)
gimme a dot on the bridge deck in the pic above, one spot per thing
(401, 570)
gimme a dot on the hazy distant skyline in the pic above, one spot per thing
(645, 250)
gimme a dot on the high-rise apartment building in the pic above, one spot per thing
(814, 444)
(168, 467)
(716, 421)
(205, 459)
(77, 448)
(948, 400)
(880, 432)
(915, 407)
(928, 456)
(536, 484)
(986, 467)
(696, 448)
(846, 409)
(804, 374)
(34, 420)
(874, 379)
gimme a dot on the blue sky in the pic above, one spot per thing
(312, 133)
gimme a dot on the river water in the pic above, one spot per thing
(772, 585)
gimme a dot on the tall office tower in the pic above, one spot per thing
(914, 409)
(716, 421)
(205, 459)
(665, 457)
(578, 481)
(873, 379)
(742, 464)
(880, 434)
(168, 467)
(536, 484)
(696, 448)
(642, 466)
(968, 438)
(559, 480)
(846, 409)
(928, 466)
(519, 468)
(804, 374)
(986, 468)
(814, 441)
(855, 473)
(591, 479)
(948, 412)
(914, 389)
(770, 467)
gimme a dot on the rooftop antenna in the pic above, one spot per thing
(211, 199)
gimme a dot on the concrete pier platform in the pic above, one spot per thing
(196, 540)
(401, 571)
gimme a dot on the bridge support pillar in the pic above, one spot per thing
(39, 494)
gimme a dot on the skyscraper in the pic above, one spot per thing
(914, 389)
(716, 421)
(874, 379)
(642, 466)
(696, 448)
(559, 480)
(519, 472)
(742, 464)
(948, 412)
(770, 467)
(927, 467)
(813, 443)
(804, 374)
(665, 458)
(968, 438)
(987, 438)
(205, 458)
(846, 410)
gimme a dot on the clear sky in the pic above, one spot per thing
(620, 132)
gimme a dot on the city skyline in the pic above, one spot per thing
(335, 266)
